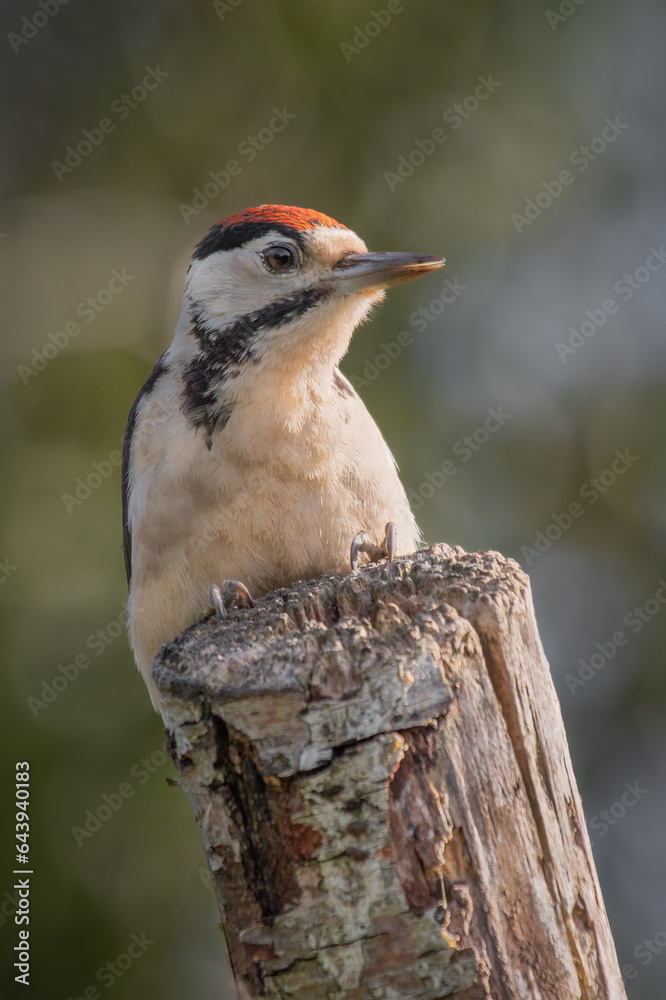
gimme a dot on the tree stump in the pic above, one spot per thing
(379, 769)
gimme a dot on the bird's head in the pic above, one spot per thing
(287, 286)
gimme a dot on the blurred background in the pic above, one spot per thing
(119, 123)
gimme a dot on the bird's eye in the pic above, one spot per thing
(280, 257)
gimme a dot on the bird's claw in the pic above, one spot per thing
(390, 540)
(386, 550)
(231, 592)
(358, 545)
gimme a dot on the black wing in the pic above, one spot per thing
(157, 371)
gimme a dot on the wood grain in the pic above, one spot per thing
(380, 772)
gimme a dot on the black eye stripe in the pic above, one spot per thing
(232, 237)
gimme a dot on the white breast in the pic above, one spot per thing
(276, 498)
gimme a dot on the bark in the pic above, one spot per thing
(379, 769)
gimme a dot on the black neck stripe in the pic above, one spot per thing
(233, 342)
(224, 352)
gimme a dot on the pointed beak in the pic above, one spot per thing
(357, 271)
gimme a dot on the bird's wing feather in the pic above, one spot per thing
(158, 370)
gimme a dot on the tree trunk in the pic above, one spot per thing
(379, 769)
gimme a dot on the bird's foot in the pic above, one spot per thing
(232, 593)
(374, 553)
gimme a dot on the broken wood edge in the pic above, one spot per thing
(224, 679)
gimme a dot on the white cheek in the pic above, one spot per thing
(224, 283)
(233, 283)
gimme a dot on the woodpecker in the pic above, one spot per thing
(249, 461)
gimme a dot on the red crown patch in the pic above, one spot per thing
(288, 215)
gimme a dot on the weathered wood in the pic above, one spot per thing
(380, 772)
